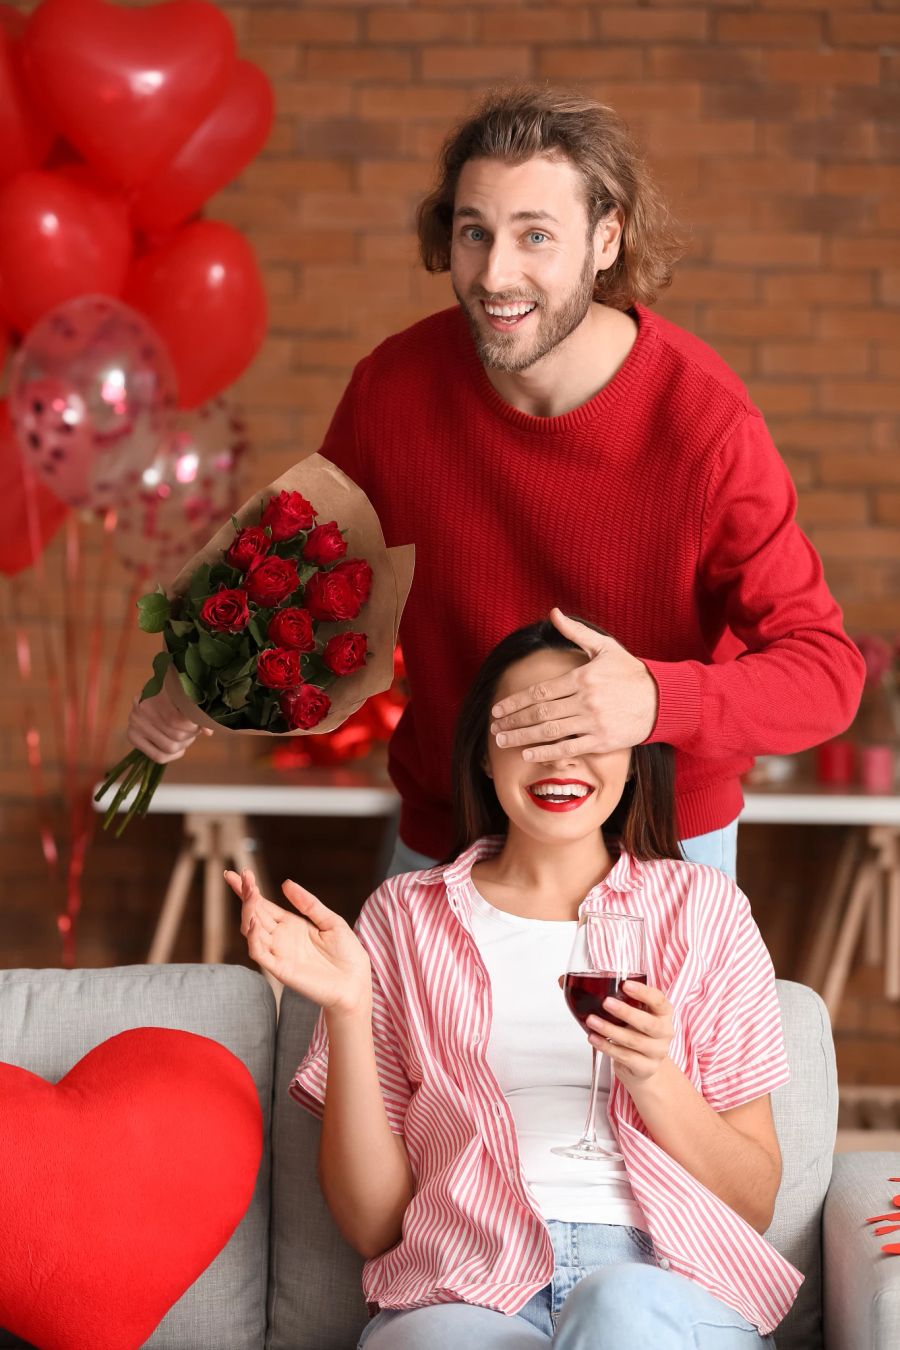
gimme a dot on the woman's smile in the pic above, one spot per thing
(559, 794)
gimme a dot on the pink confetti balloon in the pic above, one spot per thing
(92, 396)
(186, 494)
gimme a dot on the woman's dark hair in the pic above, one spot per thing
(643, 823)
(518, 122)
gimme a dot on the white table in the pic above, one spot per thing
(863, 901)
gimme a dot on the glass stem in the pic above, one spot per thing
(590, 1128)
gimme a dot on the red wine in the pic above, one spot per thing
(585, 992)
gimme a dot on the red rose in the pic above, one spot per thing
(329, 596)
(292, 627)
(271, 580)
(359, 574)
(278, 668)
(345, 652)
(325, 544)
(225, 612)
(304, 707)
(248, 545)
(287, 514)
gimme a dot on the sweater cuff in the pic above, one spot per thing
(678, 716)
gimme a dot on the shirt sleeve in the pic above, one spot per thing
(798, 678)
(735, 1019)
(342, 444)
(309, 1082)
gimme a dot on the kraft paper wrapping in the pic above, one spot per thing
(334, 497)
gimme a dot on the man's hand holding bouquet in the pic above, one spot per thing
(285, 623)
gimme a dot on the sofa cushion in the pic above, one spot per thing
(49, 1019)
(315, 1278)
(805, 1112)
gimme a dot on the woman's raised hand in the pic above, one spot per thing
(314, 951)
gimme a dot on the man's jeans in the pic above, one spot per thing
(716, 849)
(608, 1292)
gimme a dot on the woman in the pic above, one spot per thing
(445, 1065)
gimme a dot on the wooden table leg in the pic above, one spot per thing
(215, 923)
(863, 894)
(172, 911)
(237, 845)
(892, 927)
(828, 916)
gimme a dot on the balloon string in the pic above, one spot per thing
(117, 671)
(33, 738)
(96, 643)
(73, 793)
(51, 665)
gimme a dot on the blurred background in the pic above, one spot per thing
(774, 127)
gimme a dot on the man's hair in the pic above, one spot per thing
(516, 124)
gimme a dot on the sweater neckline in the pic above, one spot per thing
(630, 374)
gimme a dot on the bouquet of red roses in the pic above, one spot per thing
(255, 630)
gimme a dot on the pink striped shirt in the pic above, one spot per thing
(472, 1232)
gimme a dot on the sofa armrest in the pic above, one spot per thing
(861, 1283)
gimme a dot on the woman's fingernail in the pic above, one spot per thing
(501, 739)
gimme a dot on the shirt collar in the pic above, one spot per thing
(626, 874)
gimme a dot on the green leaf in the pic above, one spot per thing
(215, 651)
(153, 612)
(199, 586)
(187, 684)
(258, 625)
(236, 694)
(195, 666)
(161, 663)
(223, 574)
(181, 627)
(236, 671)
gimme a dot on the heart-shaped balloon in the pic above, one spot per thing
(25, 139)
(127, 87)
(60, 236)
(202, 291)
(125, 1180)
(232, 135)
(18, 549)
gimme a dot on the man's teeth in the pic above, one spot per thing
(510, 311)
(559, 789)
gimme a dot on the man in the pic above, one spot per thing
(552, 445)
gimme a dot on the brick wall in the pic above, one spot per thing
(774, 127)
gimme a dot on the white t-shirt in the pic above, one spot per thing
(542, 1061)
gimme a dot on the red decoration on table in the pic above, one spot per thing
(889, 1248)
(835, 762)
(122, 1191)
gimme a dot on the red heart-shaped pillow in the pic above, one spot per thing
(120, 1184)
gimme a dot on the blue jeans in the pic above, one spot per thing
(607, 1292)
(716, 849)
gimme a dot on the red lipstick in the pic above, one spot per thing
(561, 801)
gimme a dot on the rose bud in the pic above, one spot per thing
(271, 580)
(304, 707)
(287, 514)
(345, 652)
(248, 545)
(359, 574)
(278, 668)
(225, 612)
(331, 597)
(325, 544)
(292, 627)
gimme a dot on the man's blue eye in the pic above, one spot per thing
(537, 236)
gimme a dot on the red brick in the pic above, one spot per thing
(818, 433)
(354, 138)
(758, 322)
(511, 23)
(761, 101)
(357, 64)
(822, 139)
(813, 358)
(848, 288)
(887, 214)
(888, 362)
(867, 396)
(873, 616)
(313, 100)
(683, 136)
(781, 396)
(765, 176)
(475, 64)
(714, 283)
(645, 98)
(859, 324)
(774, 30)
(829, 507)
(442, 102)
(297, 175)
(865, 253)
(290, 244)
(295, 25)
(706, 63)
(853, 470)
(589, 63)
(836, 215)
(822, 67)
(854, 542)
(864, 30)
(887, 507)
(865, 179)
(649, 25)
(354, 210)
(419, 25)
(767, 249)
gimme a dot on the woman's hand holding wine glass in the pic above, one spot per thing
(314, 952)
(637, 1040)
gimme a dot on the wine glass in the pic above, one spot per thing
(608, 948)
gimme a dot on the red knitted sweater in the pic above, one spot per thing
(659, 510)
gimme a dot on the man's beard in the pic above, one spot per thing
(498, 351)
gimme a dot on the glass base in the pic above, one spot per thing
(589, 1151)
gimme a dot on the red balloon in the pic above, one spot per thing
(25, 139)
(16, 550)
(203, 293)
(232, 135)
(59, 238)
(127, 87)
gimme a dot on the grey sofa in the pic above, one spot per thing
(286, 1280)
